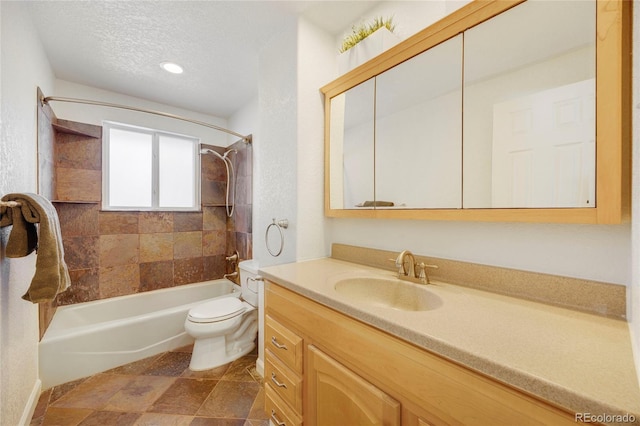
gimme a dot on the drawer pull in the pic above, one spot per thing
(276, 420)
(278, 384)
(275, 343)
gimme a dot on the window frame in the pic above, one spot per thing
(155, 168)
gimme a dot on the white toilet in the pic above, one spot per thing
(225, 329)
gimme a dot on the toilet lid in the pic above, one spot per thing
(217, 310)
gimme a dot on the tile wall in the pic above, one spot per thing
(118, 253)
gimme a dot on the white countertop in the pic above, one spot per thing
(578, 360)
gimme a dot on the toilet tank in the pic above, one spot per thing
(250, 286)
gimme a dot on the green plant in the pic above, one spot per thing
(362, 31)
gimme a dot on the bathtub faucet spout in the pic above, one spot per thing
(233, 258)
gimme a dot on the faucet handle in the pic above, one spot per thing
(421, 272)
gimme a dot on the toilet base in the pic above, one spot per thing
(215, 351)
(207, 355)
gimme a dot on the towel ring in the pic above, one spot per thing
(284, 223)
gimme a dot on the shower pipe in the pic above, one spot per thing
(46, 100)
(228, 163)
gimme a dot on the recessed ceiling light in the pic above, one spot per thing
(171, 67)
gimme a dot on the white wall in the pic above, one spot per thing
(24, 67)
(92, 114)
(408, 16)
(244, 121)
(275, 151)
(315, 52)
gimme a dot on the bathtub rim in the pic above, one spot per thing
(54, 334)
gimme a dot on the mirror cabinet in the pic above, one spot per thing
(501, 111)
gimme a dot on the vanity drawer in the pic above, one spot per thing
(283, 343)
(285, 382)
(278, 411)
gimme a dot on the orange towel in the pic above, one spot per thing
(51, 276)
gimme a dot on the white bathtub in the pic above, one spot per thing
(91, 337)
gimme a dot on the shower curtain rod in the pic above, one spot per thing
(46, 100)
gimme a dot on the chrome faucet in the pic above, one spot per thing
(416, 272)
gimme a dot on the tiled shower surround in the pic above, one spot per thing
(115, 253)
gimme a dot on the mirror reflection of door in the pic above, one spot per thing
(529, 107)
(544, 148)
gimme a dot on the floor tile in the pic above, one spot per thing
(134, 368)
(208, 421)
(169, 364)
(257, 411)
(65, 416)
(158, 391)
(230, 399)
(59, 391)
(238, 371)
(104, 418)
(214, 373)
(154, 419)
(94, 392)
(188, 348)
(251, 422)
(43, 403)
(184, 396)
(139, 394)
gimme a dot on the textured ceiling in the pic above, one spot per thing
(118, 45)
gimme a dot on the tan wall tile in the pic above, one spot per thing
(118, 223)
(213, 168)
(85, 286)
(150, 222)
(243, 218)
(186, 271)
(81, 252)
(78, 219)
(214, 218)
(119, 280)
(156, 275)
(187, 244)
(214, 267)
(156, 247)
(119, 249)
(78, 185)
(78, 152)
(213, 192)
(187, 221)
(214, 242)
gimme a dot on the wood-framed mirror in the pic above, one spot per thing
(533, 51)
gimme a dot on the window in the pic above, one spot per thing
(145, 169)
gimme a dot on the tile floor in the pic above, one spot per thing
(160, 390)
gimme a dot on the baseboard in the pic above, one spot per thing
(30, 407)
(260, 367)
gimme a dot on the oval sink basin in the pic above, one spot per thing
(388, 293)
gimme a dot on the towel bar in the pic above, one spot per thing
(9, 203)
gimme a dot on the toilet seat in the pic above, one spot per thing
(217, 310)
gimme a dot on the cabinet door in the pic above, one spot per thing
(339, 396)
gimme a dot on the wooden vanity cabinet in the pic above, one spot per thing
(283, 373)
(336, 395)
(352, 373)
